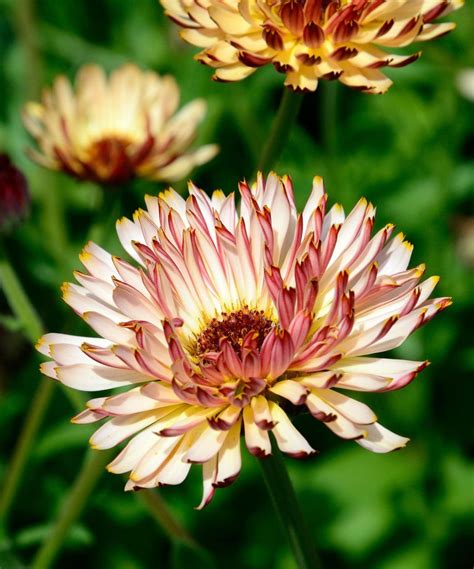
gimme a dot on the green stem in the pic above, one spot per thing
(107, 212)
(329, 119)
(53, 220)
(161, 513)
(33, 328)
(18, 299)
(25, 21)
(287, 112)
(22, 450)
(71, 508)
(286, 504)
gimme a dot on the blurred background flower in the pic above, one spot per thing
(308, 40)
(112, 130)
(465, 83)
(410, 152)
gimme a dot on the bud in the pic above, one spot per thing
(14, 195)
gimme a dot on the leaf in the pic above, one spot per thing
(78, 536)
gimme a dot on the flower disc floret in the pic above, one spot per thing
(229, 320)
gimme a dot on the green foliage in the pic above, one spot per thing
(407, 151)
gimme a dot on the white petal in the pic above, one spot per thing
(229, 458)
(288, 438)
(96, 377)
(380, 439)
(120, 428)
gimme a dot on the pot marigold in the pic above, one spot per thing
(110, 130)
(231, 321)
(308, 40)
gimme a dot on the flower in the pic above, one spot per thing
(233, 320)
(308, 40)
(14, 194)
(465, 83)
(112, 130)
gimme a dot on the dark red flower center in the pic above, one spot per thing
(108, 157)
(244, 327)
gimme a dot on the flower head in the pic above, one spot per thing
(113, 129)
(231, 321)
(14, 195)
(308, 40)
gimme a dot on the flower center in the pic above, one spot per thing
(109, 159)
(244, 327)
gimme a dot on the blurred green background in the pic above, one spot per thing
(409, 152)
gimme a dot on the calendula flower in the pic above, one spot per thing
(233, 320)
(111, 130)
(14, 194)
(308, 40)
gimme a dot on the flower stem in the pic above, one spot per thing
(33, 328)
(53, 221)
(18, 299)
(23, 447)
(284, 500)
(107, 212)
(71, 508)
(25, 20)
(287, 112)
(161, 513)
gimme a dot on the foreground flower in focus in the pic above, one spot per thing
(113, 129)
(231, 322)
(14, 195)
(308, 40)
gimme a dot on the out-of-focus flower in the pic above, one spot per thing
(14, 194)
(465, 83)
(308, 40)
(464, 234)
(113, 129)
(234, 320)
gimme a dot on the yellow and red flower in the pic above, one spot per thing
(234, 319)
(309, 40)
(111, 130)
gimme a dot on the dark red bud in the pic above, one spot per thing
(14, 194)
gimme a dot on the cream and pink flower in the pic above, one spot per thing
(113, 129)
(231, 319)
(309, 40)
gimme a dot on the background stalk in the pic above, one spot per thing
(286, 505)
(290, 105)
(71, 508)
(24, 12)
(22, 450)
(158, 508)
